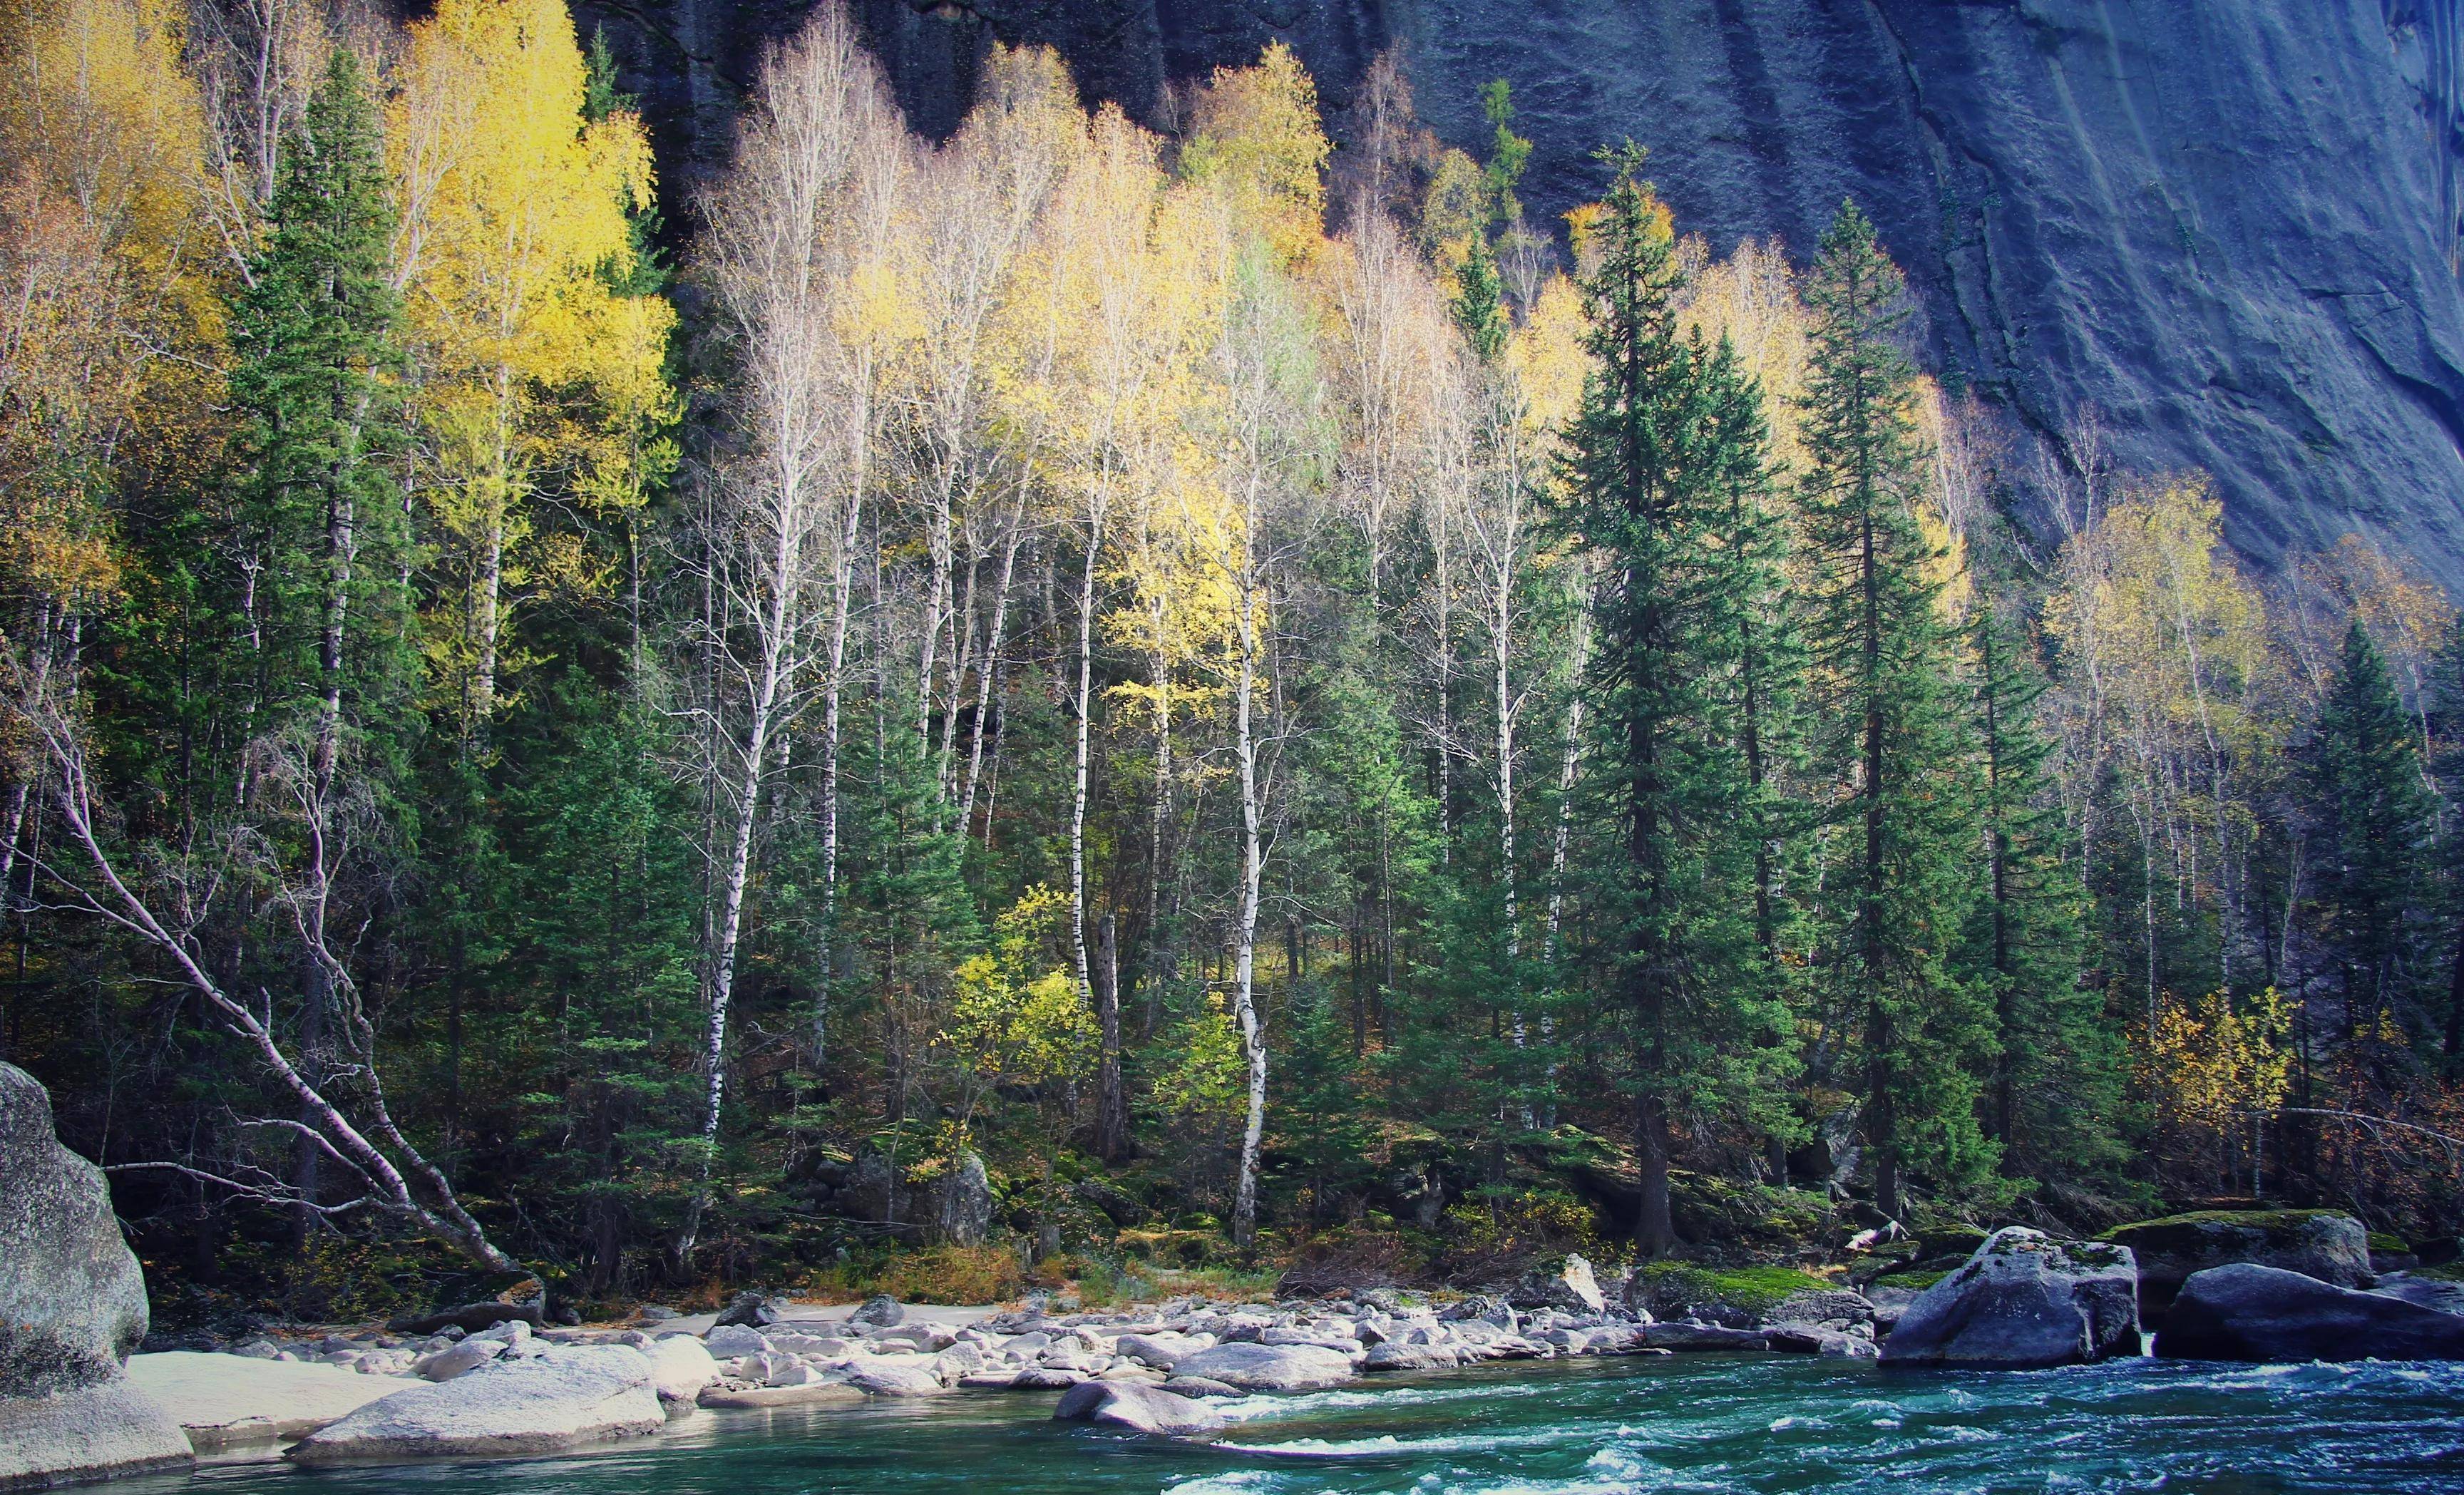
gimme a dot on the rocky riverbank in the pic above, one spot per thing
(2022, 1300)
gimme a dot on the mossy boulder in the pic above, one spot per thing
(2327, 1244)
(1735, 1297)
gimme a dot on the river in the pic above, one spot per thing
(1587, 1427)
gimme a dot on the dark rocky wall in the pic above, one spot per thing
(2227, 225)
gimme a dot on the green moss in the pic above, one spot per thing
(1914, 1281)
(2452, 1271)
(2381, 1241)
(1753, 1288)
(2248, 1219)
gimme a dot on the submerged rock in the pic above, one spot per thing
(72, 1309)
(2263, 1313)
(2024, 1300)
(1138, 1407)
(569, 1395)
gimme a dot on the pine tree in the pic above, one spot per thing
(2380, 819)
(1881, 651)
(2447, 737)
(1642, 476)
(2054, 1081)
(325, 548)
(1765, 685)
(317, 388)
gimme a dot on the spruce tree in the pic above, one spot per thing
(316, 389)
(2054, 1081)
(323, 592)
(2447, 737)
(1882, 653)
(2380, 819)
(1764, 687)
(1643, 478)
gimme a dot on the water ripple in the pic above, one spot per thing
(1763, 1425)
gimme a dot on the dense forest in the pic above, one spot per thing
(1078, 695)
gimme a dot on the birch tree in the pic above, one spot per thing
(819, 145)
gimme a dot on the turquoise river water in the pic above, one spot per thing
(1689, 1424)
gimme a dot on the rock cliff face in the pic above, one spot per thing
(2228, 225)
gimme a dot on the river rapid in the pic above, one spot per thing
(1713, 1423)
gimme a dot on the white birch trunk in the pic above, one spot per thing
(1244, 951)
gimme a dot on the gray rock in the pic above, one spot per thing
(1693, 1335)
(2262, 1313)
(2447, 1297)
(563, 1397)
(71, 1295)
(816, 1394)
(680, 1369)
(1047, 1377)
(731, 1341)
(1480, 1306)
(1837, 1309)
(880, 1311)
(751, 1310)
(72, 1309)
(1392, 1357)
(459, 1360)
(965, 1204)
(1200, 1386)
(1269, 1367)
(1571, 1288)
(2024, 1300)
(1139, 1408)
(1163, 1349)
(1889, 1303)
(2322, 1243)
(100, 1430)
(886, 1377)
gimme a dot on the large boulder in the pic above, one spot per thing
(1138, 1407)
(681, 1367)
(1163, 1348)
(1571, 1289)
(569, 1395)
(72, 1310)
(1393, 1356)
(2024, 1300)
(2322, 1243)
(1268, 1367)
(1838, 1309)
(2246, 1311)
(965, 1202)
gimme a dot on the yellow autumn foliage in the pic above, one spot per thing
(514, 245)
